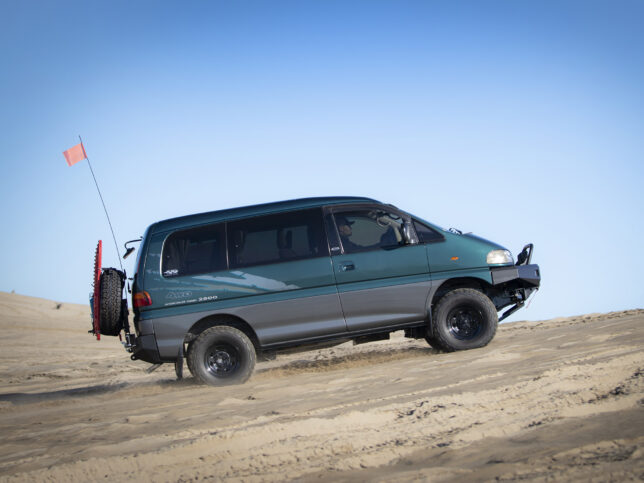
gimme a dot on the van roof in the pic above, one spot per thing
(252, 210)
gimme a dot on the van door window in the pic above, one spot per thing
(427, 234)
(369, 230)
(194, 251)
(277, 238)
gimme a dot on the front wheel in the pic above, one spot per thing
(464, 319)
(221, 355)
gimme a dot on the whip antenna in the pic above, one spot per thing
(118, 254)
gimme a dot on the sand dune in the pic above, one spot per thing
(552, 400)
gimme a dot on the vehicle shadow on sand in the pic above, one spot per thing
(320, 363)
(19, 398)
(323, 363)
(33, 397)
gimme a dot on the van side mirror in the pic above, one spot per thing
(129, 250)
(409, 234)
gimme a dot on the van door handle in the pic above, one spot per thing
(347, 266)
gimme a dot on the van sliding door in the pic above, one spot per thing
(281, 264)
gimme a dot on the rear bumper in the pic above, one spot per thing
(146, 349)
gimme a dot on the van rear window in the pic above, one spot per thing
(194, 251)
(277, 238)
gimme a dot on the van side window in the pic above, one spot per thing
(369, 229)
(277, 238)
(194, 251)
(426, 234)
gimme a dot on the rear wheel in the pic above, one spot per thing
(221, 355)
(464, 319)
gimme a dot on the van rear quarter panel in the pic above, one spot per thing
(275, 318)
(291, 300)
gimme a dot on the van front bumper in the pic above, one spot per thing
(524, 276)
(515, 283)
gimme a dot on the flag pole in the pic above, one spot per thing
(102, 202)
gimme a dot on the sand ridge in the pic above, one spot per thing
(560, 399)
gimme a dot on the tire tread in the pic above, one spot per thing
(111, 288)
(437, 338)
(202, 342)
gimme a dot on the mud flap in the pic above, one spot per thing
(178, 364)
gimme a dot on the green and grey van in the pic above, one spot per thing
(224, 288)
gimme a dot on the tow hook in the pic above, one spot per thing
(130, 342)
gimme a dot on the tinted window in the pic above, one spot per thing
(277, 238)
(199, 250)
(425, 233)
(369, 229)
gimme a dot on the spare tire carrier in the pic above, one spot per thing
(96, 302)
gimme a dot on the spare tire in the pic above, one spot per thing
(111, 311)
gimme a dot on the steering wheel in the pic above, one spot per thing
(381, 223)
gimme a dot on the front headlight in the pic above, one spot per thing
(499, 256)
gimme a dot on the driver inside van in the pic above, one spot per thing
(345, 231)
(391, 237)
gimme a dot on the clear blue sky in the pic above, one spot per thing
(518, 121)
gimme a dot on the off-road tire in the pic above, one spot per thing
(463, 319)
(221, 355)
(111, 312)
(433, 342)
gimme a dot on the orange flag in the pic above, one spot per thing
(75, 154)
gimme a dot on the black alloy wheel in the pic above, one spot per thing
(463, 319)
(465, 322)
(222, 360)
(221, 355)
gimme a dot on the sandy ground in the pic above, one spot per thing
(558, 400)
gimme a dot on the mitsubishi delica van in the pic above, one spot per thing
(224, 288)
